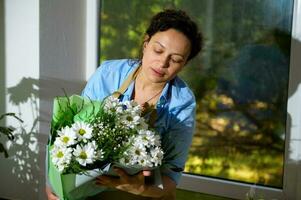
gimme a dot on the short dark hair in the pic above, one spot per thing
(180, 21)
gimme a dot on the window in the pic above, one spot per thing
(241, 84)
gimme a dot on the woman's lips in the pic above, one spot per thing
(157, 72)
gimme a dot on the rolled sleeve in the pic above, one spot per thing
(107, 79)
(95, 86)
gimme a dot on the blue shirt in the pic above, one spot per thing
(175, 111)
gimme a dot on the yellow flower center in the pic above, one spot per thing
(129, 118)
(81, 131)
(59, 154)
(83, 155)
(65, 139)
(137, 152)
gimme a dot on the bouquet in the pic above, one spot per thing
(88, 137)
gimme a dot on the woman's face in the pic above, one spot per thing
(164, 55)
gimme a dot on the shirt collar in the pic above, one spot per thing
(165, 93)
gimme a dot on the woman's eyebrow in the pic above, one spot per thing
(160, 44)
(178, 54)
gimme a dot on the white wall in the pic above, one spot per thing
(62, 51)
(62, 58)
(43, 47)
(2, 60)
(20, 172)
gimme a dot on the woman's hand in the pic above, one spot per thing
(133, 184)
(136, 185)
(50, 194)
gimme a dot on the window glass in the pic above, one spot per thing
(240, 80)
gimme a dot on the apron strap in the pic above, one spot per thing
(152, 118)
(126, 83)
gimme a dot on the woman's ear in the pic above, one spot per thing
(145, 41)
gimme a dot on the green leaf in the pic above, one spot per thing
(7, 131)
(3, 150)
(12, 115)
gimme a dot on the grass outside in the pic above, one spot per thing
(228, 145)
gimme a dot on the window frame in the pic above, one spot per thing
(92, 36)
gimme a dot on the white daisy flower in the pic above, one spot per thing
(138, 151)
(132, 107)
(156, 156)
(130, 120)
(92, 144)
(147, 138)
(145, 161)
(139, 142)
(119, 110)
(61, 157)
(85, 155)
(83, 130)
(125, 161)
(112, 104)
(66, 137)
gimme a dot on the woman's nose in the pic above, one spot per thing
(164, 61)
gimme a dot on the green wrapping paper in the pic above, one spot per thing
(63, 115)
(73, 186)
(80, 186)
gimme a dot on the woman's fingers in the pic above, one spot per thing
(50, 195)
(146, 173)
(120, 172)
(124, 177)
(107, 181)
(124, 182)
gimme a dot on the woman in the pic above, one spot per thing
(171, 40)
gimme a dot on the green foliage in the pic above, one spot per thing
(7, 131)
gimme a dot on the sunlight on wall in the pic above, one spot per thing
(294, 112)
(293, 138)
(21, 169)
